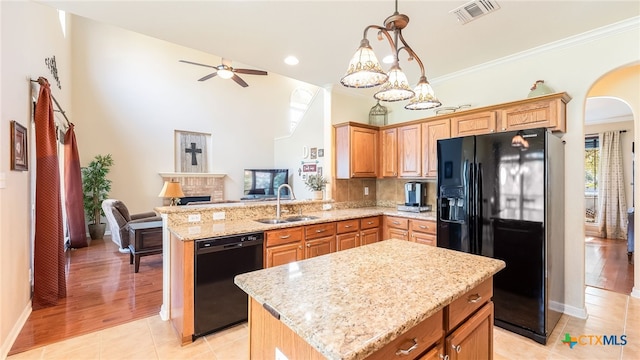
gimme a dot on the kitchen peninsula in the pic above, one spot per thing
(391, 298)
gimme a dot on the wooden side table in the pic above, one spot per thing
(145, 238)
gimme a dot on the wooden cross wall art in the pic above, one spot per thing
(191, 152)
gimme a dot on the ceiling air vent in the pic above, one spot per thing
(474, 9)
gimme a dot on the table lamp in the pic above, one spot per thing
(173, 190)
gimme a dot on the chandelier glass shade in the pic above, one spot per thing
(364, 69)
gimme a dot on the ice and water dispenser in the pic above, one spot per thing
(452, 203)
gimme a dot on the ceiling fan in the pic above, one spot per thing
(225, 71)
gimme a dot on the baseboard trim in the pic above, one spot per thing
(580, 313)
(635, 292)
(164, 313)
(15, 331)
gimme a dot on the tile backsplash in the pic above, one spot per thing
(384, 192)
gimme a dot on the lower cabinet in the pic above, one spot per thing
(396, 228)
(319, 239)
(357, 232)
(474, 338)
(423, 232)
(283, 246)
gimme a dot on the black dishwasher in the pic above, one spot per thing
(218, 302)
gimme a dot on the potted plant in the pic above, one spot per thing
(316, 183)
(95, 189)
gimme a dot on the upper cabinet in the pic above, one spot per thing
(410, 151)
(356, 150)
(389, 152)
(474, 124)
(432, 131)
(547, 111)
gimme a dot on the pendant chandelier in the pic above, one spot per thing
(365, 71)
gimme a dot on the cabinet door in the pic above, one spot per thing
(431, 132)
(398, 234)
(389, 148)
(284, 254)
(410, 151)
(347, 241)
(321, 246)
(436, 353)
(474, 338)
(369, 236)
(474, 124)
(364, 152)
(423, 238)
(549, 113)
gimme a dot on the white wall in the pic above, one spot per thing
(573, 66)
(36, 26)
(130, 93)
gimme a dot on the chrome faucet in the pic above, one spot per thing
(293, 197)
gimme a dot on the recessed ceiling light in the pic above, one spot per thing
(291, 60)
(388, 59)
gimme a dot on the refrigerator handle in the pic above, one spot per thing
(479, 210)
(471, 201)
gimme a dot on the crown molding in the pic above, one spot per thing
(602, 32)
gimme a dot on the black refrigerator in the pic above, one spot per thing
(502, 195)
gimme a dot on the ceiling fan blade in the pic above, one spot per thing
(208, 76)
(250, 71)
(194, 63)
(239, 80)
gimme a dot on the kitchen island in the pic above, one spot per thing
(376, 301)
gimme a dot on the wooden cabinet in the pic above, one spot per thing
(389, 152)
(433, 131)
(474, 338)
(396, 228)
(423, 232)
(547, 111)
(356, 150)
(410, 150)
(319, 239)
(478, 123)
(283, 246)
(357, 232)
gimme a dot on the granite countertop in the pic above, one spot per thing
(351, 303)
(197, 231)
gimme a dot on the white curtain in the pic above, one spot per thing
(612, 214)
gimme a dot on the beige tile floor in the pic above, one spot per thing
(151, 338)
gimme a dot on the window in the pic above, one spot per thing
(298, 105)
(591, 164)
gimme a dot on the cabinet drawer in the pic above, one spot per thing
(397, 222)
(424, 238)
(467, 304)
(425, 335)
(370, 222)
(283, 236)
(347, 226)
(319, 230)
(425, 226)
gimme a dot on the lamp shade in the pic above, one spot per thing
(171, 189)
(396, 88)
(424, 98)
(364, 69)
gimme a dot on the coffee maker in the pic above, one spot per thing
(415, 197)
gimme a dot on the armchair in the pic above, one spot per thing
(118, 219)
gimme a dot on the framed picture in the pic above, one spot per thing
(19, 158)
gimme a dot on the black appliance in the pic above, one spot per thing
(415, 193)
(218, 302)
(502, 195)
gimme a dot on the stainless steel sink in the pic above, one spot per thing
(300, 218)
(272, 221)
(286, 220)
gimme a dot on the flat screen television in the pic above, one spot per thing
(262, 184)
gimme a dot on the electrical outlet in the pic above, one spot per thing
(194, 217)
(326, 206)
(218, 215)
(366, 190)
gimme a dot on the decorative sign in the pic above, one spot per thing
(191, 151)
(53, 67)
(309, 168)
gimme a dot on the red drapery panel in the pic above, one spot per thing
(73, 191)
(49, 283)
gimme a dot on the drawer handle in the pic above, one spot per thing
(321, 230)
(410, 349)
(423, 227)
(369, 222)
(474, 298)
(457, 348)
(308, 245)
(396, 223)
(347, 226)
(285, 236)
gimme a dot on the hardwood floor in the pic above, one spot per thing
(102, 291)
(607, 266)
